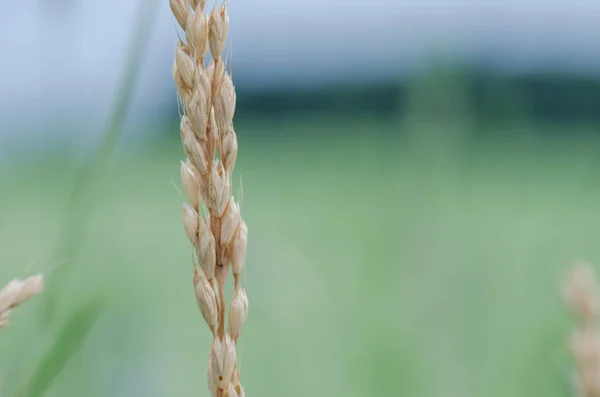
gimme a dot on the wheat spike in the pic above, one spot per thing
(16, 292)
(580, 292)
(207, 95)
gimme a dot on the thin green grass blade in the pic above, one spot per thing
(82, 197)
(68, 341)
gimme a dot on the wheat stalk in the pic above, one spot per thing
(581, 295)
(212, 218)
(16, 292)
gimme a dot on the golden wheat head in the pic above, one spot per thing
(212, 218)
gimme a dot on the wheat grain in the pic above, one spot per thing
(16, 292)
(207, 95)
(581, 295)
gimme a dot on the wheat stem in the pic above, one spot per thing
(222, 305)
(208, 98)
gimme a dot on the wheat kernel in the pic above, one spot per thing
(217, 32)
(180, 9)
(238, 313)
(190, 222)
(197, 33)
(237, 248)
(185, 65)
(229, 222)
(206, 299)
(206, 249)
(190, 179)
(229, 148)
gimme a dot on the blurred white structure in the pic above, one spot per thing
(61, 58)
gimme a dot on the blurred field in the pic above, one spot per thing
(383, 263)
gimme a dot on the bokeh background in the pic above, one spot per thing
(417, 177)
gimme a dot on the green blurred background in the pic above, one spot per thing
(409, 223)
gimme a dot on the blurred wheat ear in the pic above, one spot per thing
(212, 219)
(580, 292)
(17, 292)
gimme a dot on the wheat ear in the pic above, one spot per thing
(581, 295)
(219, 238)
(17, 292)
